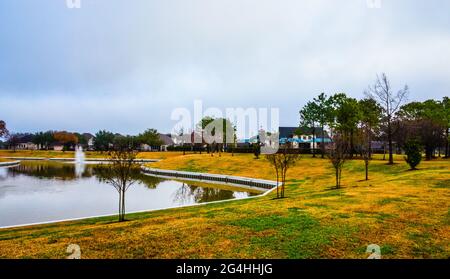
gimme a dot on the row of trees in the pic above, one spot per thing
(216, 134)
(103, 140)
(383, 116)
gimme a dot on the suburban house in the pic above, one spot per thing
(89, 141)
(304, 137)
(57, 146)
(166, 140)
(25, 142)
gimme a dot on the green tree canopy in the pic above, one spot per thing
(150, 137)
(103, 140)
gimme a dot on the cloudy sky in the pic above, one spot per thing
(125, 65)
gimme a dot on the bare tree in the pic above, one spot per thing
(338, 154)
(282, 161)
(390, 102)
(370, 114)
(274, 160)
(120, 173)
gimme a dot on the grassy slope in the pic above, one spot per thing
(406, 213)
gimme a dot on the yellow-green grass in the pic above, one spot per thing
(71, 154)
(406, 212)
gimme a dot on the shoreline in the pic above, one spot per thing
(170, 174)
(73, 159)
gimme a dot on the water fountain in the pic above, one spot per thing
(79, 161)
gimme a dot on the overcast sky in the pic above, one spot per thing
(125, 65)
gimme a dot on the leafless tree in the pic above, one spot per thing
(390, 101)
(338, 154)
(282, 161)
(274, 161)
(120, 173)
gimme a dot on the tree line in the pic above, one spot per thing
(383, 115)
(102, 141)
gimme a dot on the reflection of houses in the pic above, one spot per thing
(304, 137)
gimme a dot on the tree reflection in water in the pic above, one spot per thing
(66, 172)
(48, 170)
(202, 194)
(148, 181)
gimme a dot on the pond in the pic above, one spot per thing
(45, 191)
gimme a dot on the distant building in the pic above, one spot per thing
(304, 137)
(57, 146)
(166, 141)
(25, 142)
(89, 141)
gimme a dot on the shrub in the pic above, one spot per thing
(413, 151)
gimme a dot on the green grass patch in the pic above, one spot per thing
(298, 235)
(389, 200)
(443, 184)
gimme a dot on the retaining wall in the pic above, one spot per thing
(7, 164)
(258, 184)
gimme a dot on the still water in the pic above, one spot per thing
(46, 191)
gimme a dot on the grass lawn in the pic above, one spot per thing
(407, 213)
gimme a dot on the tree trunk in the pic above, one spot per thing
(322, 146)
(278, 192)
(120, 206)
(352, 144)
(123, 204)
(337, 178)
(314, 139)
(367, 169)
(446, 144)
(391, 155)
